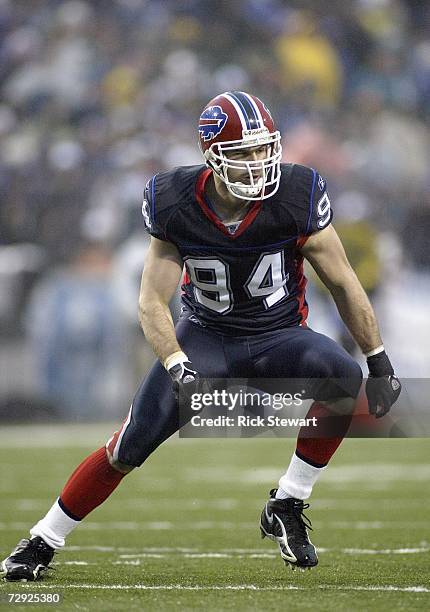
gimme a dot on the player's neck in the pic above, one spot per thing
(227, 207)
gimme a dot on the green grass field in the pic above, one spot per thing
(182, 532)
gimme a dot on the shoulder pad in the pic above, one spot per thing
(163, 195)
(304, 191)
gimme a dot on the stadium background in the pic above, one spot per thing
(95, 97)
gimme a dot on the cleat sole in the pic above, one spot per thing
(294, 566)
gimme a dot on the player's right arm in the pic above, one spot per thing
(160, 278)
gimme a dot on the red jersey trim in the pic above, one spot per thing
(302, 282)
(185, 280)
(246, 221)
(301, 240)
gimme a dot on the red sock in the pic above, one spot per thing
(316, 445)
(90, 484)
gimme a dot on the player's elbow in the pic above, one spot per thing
(145, 309)
(338, 287)
(343, 282)
(349, 293)
(150, 305)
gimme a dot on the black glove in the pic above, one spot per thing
(382, 387)
(184, 378)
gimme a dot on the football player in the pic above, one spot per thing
(240, 226)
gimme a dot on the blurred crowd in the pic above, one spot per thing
(98, 96)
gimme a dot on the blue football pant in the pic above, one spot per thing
(292, 353)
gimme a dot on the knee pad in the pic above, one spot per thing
(344, 382)
(117, 465)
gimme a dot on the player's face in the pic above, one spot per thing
(246, 167)
(247, 154)
(249, 168)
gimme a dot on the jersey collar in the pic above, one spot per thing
(200, 197)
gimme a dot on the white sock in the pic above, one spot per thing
(54, 527)
(298, 480)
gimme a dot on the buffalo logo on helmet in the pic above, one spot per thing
(212, 122)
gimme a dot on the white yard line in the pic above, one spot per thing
(337, 476)
(385, 551)
(224, 504)
(133, 558)
(261, 554)
(225, 553)
(225, 525)
(74, 563)
(54, 435)
(227, 587)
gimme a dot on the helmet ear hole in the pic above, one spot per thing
(211, 162)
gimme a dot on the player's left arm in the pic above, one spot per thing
(325, 253)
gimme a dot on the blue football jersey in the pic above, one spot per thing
(246, 278)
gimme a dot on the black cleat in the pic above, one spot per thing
(283, 521)
(29, 560)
